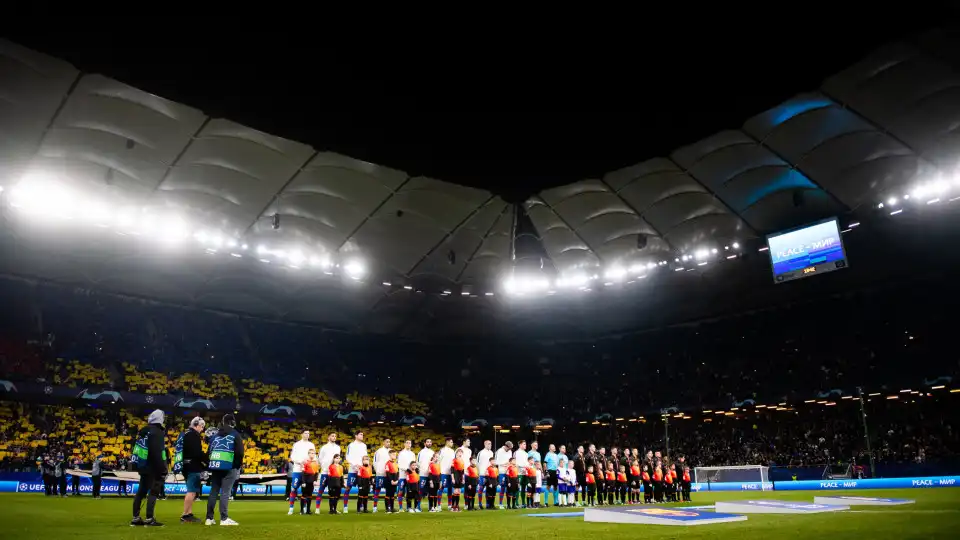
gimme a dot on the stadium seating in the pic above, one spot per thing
(30, 431)
(788, 354)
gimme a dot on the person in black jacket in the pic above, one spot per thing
(96, 474)
(221, 478)
(74, 479)
(49, 483)
(194, 464)
(600, 470)
(60, 474)
(590, 460)
(580, 469)
(152, 465)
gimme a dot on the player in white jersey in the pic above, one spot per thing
(355, 452)
(325, 458)
(380, 459)
(521, 455)
(483, 462)
(467, 452)
(424, 457)
(447, 455)
(298, 454)
(404, 459)
(502, 460)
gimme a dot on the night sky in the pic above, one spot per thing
(499, 114)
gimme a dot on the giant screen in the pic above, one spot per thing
(809, 250)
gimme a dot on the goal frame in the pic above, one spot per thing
(700, 474)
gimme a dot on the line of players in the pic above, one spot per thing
(521, 476)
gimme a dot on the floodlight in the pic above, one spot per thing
(354, 269)
(296, 257)
(573, 280)
(615, 272)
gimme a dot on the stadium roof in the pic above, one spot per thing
(870, 130)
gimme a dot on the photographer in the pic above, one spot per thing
(193, 462)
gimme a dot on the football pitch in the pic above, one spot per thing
(31, 517)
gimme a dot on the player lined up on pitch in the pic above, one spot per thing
(521, 478)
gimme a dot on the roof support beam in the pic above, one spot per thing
(176, 160)
(452, 232)
(372, 213)
(716, 197)
(639, 215)
(484, 239)
(279, 193)
(567, 225)
(797, 168)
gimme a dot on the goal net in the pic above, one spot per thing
(737, 473)
(838, 471)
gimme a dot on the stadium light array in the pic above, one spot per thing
(45, 195)
(519, 285)
(615, 273)
(574, 280)
(936, 190)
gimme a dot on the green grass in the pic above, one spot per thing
(27, 516)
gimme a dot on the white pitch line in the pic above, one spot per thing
(891, 511)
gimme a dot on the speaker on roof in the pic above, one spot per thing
(641, 241)
(452, 257)
(276, 221)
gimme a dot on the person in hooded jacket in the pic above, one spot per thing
(225, 458)
(149, 457)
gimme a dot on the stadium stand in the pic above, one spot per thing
(718, 364)
(28, 432)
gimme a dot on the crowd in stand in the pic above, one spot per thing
(901, 432)
(32, 433)
(785, 355)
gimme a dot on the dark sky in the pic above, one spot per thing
(510, 115)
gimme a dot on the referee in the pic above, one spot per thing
(552, 461)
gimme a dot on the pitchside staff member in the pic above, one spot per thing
(96, 474)
(225, 457)
(46, 470)
(150, 460)
(74, 479)
(194, 462)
